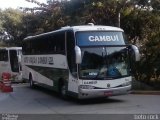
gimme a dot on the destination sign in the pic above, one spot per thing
(99, 38)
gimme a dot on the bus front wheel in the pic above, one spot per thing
(63, 91)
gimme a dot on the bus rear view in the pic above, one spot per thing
(10, 62)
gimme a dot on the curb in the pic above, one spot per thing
(146, 92)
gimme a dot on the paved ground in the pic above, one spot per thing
(24, 100)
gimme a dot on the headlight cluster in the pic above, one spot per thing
(86, 87)
(126, 83)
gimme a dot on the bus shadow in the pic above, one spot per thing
(99, 101)
(45, 91)
(81, 101)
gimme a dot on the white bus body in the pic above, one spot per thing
(10, 62)
(76, 61)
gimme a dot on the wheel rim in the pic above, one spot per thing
(63, 90)
(31, 82)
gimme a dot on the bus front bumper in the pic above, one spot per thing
(95, 93)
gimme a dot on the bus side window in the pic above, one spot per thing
(55, 48)
(3, 55)
(61, 42)
(58, 43)
(52, 44)
(49, 45)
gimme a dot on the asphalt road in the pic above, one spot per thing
(39, 101)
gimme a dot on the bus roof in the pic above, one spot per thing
(92, 28)
(89, 27)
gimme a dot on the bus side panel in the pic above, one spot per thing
(73, 86)
(25, 73)
(46, 69)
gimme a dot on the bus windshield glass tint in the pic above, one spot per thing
(104, 63)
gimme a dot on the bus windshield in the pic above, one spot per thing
(102, 56)
(104, 63)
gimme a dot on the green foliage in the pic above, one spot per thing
(155, 4)
(1, 21)
(140, 20)
(11, 20)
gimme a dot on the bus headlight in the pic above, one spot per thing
(86, 87)
(126, 83)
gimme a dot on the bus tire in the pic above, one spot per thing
(63, 91)
(31, 82)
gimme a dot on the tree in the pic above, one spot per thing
(12, 24)
(143, 29)
(140, 20)
(155, 4)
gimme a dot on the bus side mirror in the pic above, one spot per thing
(136, 52)
(78, 55)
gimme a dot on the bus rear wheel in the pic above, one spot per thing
(31, 83)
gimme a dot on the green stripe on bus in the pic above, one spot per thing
(52, 73)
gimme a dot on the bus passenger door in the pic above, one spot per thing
(4, 61)
(14, 61)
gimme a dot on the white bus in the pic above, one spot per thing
(10, 62)
(85, 61)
